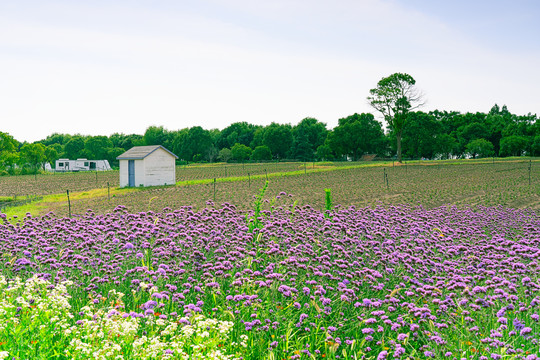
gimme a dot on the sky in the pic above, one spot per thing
(99, 67)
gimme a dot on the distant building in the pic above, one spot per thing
(65, 165)
(147, 166)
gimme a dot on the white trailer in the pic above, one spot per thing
(82, 165)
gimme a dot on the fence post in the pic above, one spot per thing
(109, 191)
(69, 203)
(249, 180)
(214, 189)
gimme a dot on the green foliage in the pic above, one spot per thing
(445, 145)
(308, 135)
(325, 153)
(240, 152)
(155, 135)
(194, 144)
(327, 202)
(513, 145)
(224, 155)
(279, 139)
(261, 153)
(51, 154)
(126, 142)
(419, 140)
(480, 148)
(394, 97)
(253, 221)
(357, 135)
(8, 150)
(33, 154)
(535, 147)
(97, 147)
(240, 132)
(74, 148)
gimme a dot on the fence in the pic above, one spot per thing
(24, 201)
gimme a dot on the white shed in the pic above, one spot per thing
(147, 166)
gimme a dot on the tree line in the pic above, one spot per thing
(410, 133)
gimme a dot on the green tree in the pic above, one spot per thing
(240, 132)
(51, 154)
(33, 154)
(74, 147)
(419, 136)
(262, 152)
(445, 145)
(193, 144)
(97, 147)
(279, 139)
(308, 135)
(240, 152)
(325, 153)
(8, 150)
(126, 142)
(513, 145)
(112, 154)
(480, 148)
(535, 147)
(224, 155)
(155, 135)
(56, 138)
(301, 148)
(7, 143)
(394, 97)
(357, 135)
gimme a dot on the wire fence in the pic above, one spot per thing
(28, 199)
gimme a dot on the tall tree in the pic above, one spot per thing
(356, 135)
(240, 132)
(193, 144)
(394, 97)
(240, 152)
(419, 136)
(8, 150)
(33, 154)
(279, 139)
(308, 135)
(74, 147)
(97, 147)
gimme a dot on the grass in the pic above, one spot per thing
(48, 202)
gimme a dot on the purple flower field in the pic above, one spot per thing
(359, 283)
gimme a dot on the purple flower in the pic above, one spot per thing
(402, 337)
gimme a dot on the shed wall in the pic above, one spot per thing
(124, 181)
(139, 173)
(159, 169)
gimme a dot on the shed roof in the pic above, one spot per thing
(140, 152)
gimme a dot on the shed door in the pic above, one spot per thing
(131, 172)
